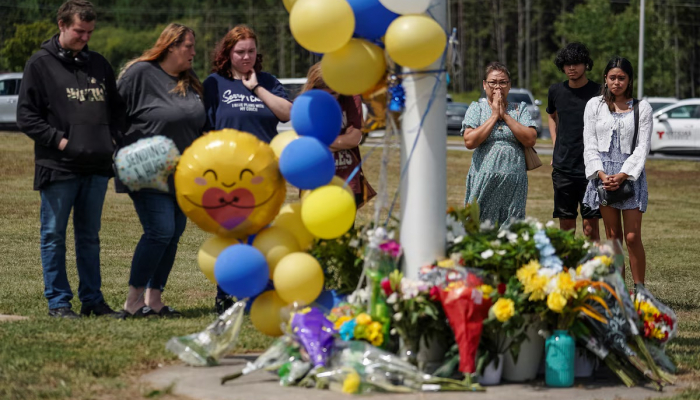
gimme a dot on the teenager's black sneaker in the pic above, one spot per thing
(63, 312)
(100, 309)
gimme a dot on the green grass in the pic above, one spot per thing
(102, 359)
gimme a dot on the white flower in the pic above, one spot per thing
(539, 226)
(456, 257)
(502, 233)
(449, 236)
(526, 236)
(586, 245)
(398, 316)
(512, 237)
(501, 252)
(496, 243)
(391, 235)
(487, 254)
(550, 224)
(486, 225)
(392, 331)
(459, 239)
(354, 243)
(392, 298)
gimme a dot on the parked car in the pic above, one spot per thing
(658, 103)
(9, 91)
(455, 115)
(517, 95)
(677, 128)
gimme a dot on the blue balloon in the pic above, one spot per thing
(371, 18)
(241, 271)
(317, 114)
(329, 299)
(307, 163)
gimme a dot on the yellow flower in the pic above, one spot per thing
(504, 309)
(486, 290)
(605, 260)
(374, 334)
(535, 287)
(363, 319)
(341, 321)
(351, 384)
(565, 285)
(556, 302)
(578, 270)
(527, 271)
(448, 263)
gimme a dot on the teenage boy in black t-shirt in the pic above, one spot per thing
(566, 104)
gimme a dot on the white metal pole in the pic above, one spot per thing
(640, 66)
(423, 189)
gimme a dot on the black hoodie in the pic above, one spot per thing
(77, 100)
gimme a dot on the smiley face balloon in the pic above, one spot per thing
(228, 183)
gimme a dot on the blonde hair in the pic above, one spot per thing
(172, 35)
(314, 79)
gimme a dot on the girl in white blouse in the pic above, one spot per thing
(611, 158)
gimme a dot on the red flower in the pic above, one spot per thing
(434, 293)
(386, 286)
(501, 288)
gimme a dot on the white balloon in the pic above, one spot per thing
(406, 6)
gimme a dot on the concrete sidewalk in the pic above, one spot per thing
(204, 384)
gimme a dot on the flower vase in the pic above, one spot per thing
(492, 372)
(529, 357)
(560, 354)
(408, 351)
(584, 364)
(431, 354)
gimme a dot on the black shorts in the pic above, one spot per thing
(568, 196)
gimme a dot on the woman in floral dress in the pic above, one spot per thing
(498, 132)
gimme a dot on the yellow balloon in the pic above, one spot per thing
(228, 183)
(298, 278)
(415, 41)
(336, 181)
(275, 243)
(328, 212)
(288, 4)
(354, 68)
(281, 141)
(322, 26)
(206, 257)
(265, 313)
(289, 219)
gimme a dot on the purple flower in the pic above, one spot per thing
(391, 247)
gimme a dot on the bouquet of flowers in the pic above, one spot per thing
(462, 298)
(417, 313)
(658, 324)
(315, 333)
(357, 368)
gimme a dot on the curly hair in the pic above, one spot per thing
(222, 54)
(572, 54)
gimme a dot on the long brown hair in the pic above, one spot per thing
(222, 53)
(172, 35)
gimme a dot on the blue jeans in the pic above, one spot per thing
(85, 196)
(163, 223)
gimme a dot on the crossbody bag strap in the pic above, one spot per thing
(635, 107)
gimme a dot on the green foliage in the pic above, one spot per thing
(341, 259)
(27, 40)
(119, 45)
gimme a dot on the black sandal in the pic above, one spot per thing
(143, 312)
(169, 312)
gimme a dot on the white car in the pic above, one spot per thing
(677, 128)
(9, 92)
(658, 103)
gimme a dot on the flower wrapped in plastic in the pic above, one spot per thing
(315, 333)
(466, 308)
(658, 324)
(358, 367)
(207, 347)
(285, 356)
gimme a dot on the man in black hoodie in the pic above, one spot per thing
(69, 105)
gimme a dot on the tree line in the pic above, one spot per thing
(524, 34)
